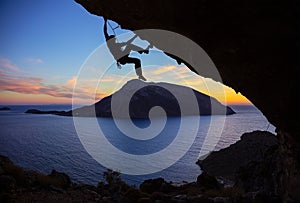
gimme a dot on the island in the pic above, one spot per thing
(142, 96)
(59, 113)
(4, 109)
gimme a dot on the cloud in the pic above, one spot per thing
(163, 69)
(7, 64)
(194, 82)
(176, 72)
(12, 79)
(32, 85)
(35, 60)
(72, 81)
(107, 79)
(115, 78)
(100, 95)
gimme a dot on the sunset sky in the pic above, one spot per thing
(45, 43)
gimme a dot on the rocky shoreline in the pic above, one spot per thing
(248, 164)
(18, 185)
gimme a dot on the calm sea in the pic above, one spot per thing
(46, 142)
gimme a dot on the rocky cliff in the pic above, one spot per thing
(247, 164)
(254, 45)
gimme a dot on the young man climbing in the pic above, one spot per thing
(122, 55)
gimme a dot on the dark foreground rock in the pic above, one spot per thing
(18, 185)
(250, 164)
(251, 148)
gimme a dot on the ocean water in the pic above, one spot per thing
(46, 142)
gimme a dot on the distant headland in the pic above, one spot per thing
(4, 109)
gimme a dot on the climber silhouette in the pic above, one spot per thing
(122, 55)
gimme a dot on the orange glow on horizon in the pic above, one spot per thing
(10, 98)
(237, 99)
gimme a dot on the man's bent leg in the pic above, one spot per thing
(137, 66)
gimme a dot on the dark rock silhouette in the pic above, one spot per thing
(36, 111)
(208, 181)
(19, 185)
(243, 40)
(227, 161)
(254, 46)
(5, 109)
(156, 185)
(249, 163)
(148, 96)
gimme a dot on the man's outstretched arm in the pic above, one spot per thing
(105, 29)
